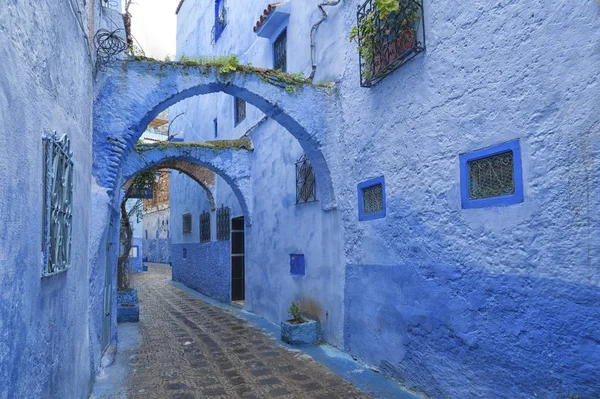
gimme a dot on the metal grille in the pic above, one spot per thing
(187, 224)
(240, 110)
(387, 43)
(223, 227)
(306, 187)
(372, 199)
(492, 176)
(58, 204)
(220, 19)
(280, 52)
(205, 227)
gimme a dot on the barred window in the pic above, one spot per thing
(223, 226)
(187, 224)
(306, 188)
(205, 227)
(58, 204)
(371, 199)
(491, 176)
(240, 110)
(280, 52)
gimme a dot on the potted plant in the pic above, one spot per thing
(297, 330)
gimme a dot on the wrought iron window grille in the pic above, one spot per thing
(306, 184)
(58, 204)
(492, 176)
(223, 225)
(280, 52)
(387, 43)
(186, 222)
(371, 199)
(205, 227)
(240, 110)
(220, 20)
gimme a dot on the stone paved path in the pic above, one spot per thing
(191, 349)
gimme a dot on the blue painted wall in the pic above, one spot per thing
(155, 235)
(490, 302)
(135, 263)
(157, 250)
(207, 268)
(47, 327)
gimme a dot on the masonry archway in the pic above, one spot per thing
(133, 94)
(231, 162)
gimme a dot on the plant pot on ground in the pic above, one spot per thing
(128, 308)
(299, 330)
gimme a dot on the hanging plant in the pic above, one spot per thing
(387, 29)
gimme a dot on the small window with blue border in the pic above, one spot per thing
(492, 176)
(297, 265)
(371, 199)
(239, 110)
(220, 19)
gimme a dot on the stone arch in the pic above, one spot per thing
(133, 94)
(232, 164)
(193, 171)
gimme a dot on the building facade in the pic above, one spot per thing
(461, 258)
(156, 242)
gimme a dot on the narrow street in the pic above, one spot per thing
(191, 349)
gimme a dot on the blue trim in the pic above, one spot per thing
(297, 265)
(503, 200)
(370, 183)
(219, 27)
(216, 127)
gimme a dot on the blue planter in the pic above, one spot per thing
(144, 267)
(300, 334)
(128, 308)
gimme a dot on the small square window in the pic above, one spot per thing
(492, 176)
(371, 199)
(280, 52)
(187, 223)
(240, 110)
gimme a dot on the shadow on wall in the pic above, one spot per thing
(462, 333)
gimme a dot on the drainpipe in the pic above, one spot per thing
(313, 45)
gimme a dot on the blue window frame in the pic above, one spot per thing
(216, 127)
(239, 110)
(492, 176)
(220, 19)
(297, 267)
(371, 199)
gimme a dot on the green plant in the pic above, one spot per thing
(295, 313)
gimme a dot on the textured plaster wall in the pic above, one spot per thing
(135, 263)
(492, 302)
(155, 236)
(45, 86)
(279, 227)
(454, 303)
(206, 268)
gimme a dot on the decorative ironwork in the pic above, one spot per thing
(240, 110)
(58, 204)
(387, 43)
(220, 20)
(187, 223)
(280, 52)
(108, 45)
(223, 226)
(491, 176)
(306, 185)
(372, 199)
(205, 227)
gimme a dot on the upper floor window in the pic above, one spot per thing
(280, 52)
(216, 127)
(388, 37)
(58, 204)
(492, 176)
(187, 224)
(306, 188)
(240, 110)
(220, 19)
